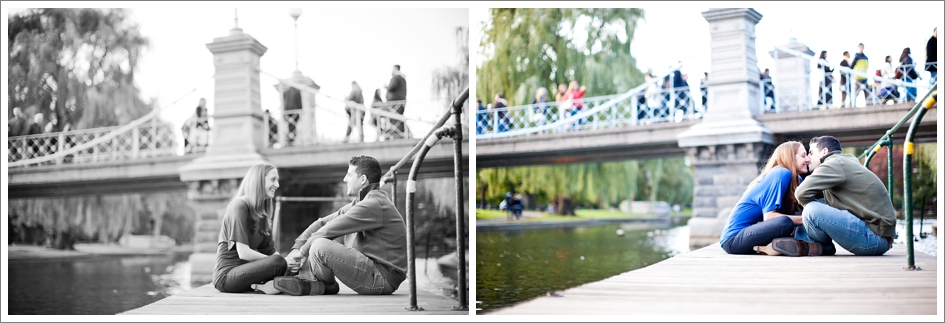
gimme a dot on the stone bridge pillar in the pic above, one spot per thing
(729, 146)
(238, 127)
(792, 77)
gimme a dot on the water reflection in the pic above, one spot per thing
(96, 285)
(513, 266)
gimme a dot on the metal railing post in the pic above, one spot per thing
(889, 166)
(460, 222)
(909, 149)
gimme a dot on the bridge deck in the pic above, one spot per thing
(205, 300)
(708, 281)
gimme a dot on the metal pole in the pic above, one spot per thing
(907, 182)
(276, 224)
(460, 222)
(889, 166)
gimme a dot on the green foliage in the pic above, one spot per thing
(524, 49)
(76, 64)
(61, 221)
(924, 182)
(450, 81)
(599, 185)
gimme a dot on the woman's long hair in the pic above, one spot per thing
(253, 191)
(784, 156)
(905, 53)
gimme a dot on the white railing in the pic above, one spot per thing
(93, 145)
(839, 87)
(297, 127)
(647, 103)
(141, 138)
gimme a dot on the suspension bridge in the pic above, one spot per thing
(148, 155)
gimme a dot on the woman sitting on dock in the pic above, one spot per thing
(246, 253)
(763, 221)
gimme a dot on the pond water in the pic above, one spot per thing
(94, 285)
(514, 266)
(105, 285)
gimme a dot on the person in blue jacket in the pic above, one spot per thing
(764, 219)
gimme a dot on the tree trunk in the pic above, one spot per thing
(564, 206)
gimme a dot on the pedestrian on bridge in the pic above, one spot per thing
(397, 91)
(861, 64)
(355, 116)
(482, 118)
(768, 86)
(502, 116)
(246, 255)
(844, 83)
(931, 60)
(542, 109)
(907, 73)
(825, 93)
(575, 95)
(17, 125)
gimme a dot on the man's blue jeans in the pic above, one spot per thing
(328, 259)
(825, 224)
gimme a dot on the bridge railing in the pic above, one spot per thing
(96, 145)
(841, 86)
(646, 104)
(298, 127)
(915, 114)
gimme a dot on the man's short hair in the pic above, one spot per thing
(367, 166)
(501, 96)
(397, 66)
(846, 52)
(828, 142)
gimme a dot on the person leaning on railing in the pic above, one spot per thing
(825, 93)
(931, 60)
(906, 73)
(860, 64)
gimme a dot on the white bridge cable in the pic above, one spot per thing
(120, 130)
(848, 70)
(374, 111)
(580, 115)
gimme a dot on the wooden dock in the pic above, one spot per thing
(205, 300)
(709, 281)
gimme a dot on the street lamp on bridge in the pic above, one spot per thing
(296, 13)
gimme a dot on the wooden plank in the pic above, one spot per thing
(709, 281)
(205, 300)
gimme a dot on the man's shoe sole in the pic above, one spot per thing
(790, 247)
(297, 287)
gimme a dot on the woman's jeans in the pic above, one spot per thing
(241, 278)
(910, 90)
(825, 224)
(758, 234)
(328, 259)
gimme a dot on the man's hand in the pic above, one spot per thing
(293, 260)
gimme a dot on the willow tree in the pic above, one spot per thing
(76, 64)
(524, 49)
(601, 185)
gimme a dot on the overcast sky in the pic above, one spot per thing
(676, 31)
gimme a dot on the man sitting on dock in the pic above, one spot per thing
(845, 202)
(373, 258)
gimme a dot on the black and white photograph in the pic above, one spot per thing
(236, 159)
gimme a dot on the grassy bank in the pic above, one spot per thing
(587, 214)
